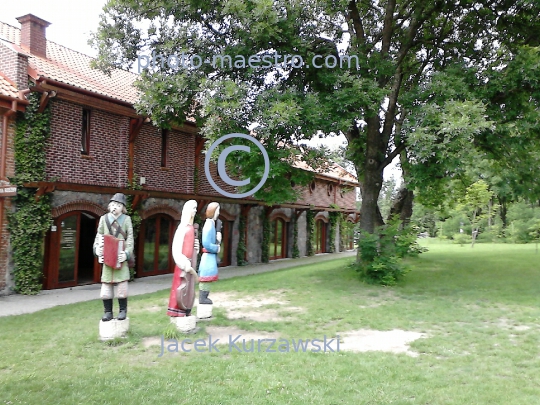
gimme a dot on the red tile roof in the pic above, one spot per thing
(332, 170)
(7, 87)
(71, 67)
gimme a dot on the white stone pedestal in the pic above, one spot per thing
(113, 329)
(184, 324)
(204, 311)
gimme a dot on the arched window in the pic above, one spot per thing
(155, 241)
(320, 236)
(278, 239)
(225, 252)
(70, 255)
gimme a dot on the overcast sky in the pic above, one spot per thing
(71, 20)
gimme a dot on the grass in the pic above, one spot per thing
(480, 308)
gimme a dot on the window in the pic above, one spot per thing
(225, 253)
(164, 144)
(320, 236)
(85, 133)
(278, 239)
(330, 189)
(156, 237)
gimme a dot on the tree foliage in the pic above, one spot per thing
(401, 48)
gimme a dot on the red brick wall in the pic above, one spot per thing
(204, 186)
(177, 176)
(6, 204)
(320, 198)
(106, 163)
(14, 66)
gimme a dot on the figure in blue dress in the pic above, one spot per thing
(211, 240)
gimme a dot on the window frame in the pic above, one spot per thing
(85, 131)
(164, 146)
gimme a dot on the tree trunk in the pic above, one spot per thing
(403, 206)
(370, 214)
(502, 211)
(372, 176)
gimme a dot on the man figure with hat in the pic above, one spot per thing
(117, 224)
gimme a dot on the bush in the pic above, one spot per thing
(382, 251)
(462, 238)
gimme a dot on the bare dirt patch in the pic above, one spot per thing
(508, 324)
(365, 340)
(255, 308)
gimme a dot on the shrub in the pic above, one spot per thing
(461, 238)
(382, 251)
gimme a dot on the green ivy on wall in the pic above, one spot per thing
(334, 219)
(134, 213)
(310, 228)
(241, 250)
(32, 218)
(265, 248)
(294, 224)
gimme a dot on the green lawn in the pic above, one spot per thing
(480, 308)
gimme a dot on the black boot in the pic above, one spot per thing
(122, 302)
(107, 304)
(203, 297)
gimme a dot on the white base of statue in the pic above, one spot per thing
(113, 329)
(184, 324)
(204, 311)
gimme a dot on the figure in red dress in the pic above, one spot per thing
(185, 248)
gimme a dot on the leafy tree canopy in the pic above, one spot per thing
(402, 47)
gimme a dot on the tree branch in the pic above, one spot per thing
(399, 148)
(388, 27)
(354, 15)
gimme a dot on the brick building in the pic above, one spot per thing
(98, 144)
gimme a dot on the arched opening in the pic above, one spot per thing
(71, 259)
(155, 241)
(320, 236)
(225, 252)
(277, 239)
(348, 229)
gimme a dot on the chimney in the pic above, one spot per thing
(33, 37)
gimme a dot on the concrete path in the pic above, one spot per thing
(23, 304)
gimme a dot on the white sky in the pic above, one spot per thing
(71, 20)
(71, 24)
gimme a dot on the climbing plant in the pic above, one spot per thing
(334, 219)
(310, 225)
(32, 218)
(294, 224)
(241, 250)
(265, 248)
(134, 213)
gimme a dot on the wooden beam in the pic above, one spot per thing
(44, 100)
(44, 189)
(137, 199)
(79, 98)
(201, 204)
(299, 211)
(201, 198)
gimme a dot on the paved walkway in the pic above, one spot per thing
(23, 304)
